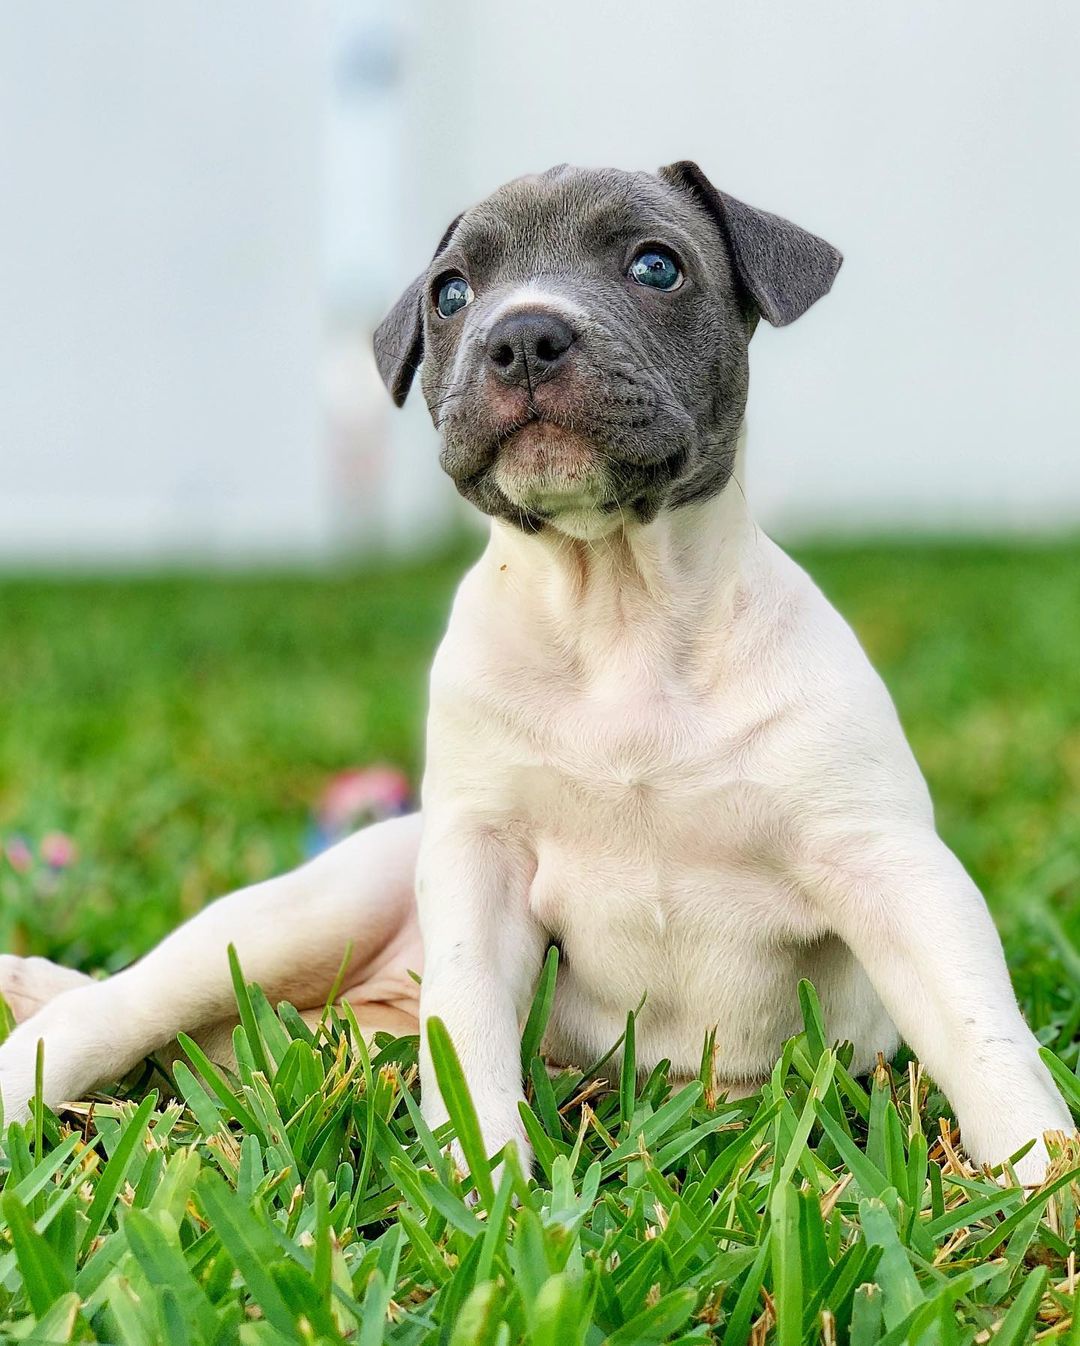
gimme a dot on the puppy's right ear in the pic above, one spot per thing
(399, 338)
(781, 268)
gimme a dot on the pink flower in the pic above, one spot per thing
(20, 857)
(374, 791)
(58, 850)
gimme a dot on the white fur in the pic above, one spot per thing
(665, 748)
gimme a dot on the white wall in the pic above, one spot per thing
(936, 145)
(184, 202)
(159, 279)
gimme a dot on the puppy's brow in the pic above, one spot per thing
(483, 245)
(611, 223)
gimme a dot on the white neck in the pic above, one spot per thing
(659, 593)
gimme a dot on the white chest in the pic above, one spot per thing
(658, 859)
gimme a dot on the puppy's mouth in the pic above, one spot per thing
(546, 468)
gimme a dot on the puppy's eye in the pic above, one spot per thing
(656, 269)
(454, 293)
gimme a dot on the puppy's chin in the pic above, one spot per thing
(585, 525)
(543, 452)
(556, 475)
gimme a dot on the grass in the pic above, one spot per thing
(179, 728)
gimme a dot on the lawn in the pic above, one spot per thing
(178, 730)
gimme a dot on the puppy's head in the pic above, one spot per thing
(582, 339)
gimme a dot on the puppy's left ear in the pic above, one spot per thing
(399, 338)
(781, 268)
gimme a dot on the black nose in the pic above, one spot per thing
(527, 347)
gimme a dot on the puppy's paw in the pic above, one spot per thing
(78, 1046)
(519, 1145)
(496, 1140)
(1031, 1170)
(1042, 1163)
(1053, 1154)
(27, 984)
(1006, 1112)
(17, 1075)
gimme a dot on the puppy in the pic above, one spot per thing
(650, 737)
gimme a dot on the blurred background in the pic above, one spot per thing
(224, 558)
(208, 208)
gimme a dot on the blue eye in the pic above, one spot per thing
(656, 269)
(454, 294)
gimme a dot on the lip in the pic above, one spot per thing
(543, 448)
(546, 468)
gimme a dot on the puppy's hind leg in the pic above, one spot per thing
(29, 983)
(291, 935)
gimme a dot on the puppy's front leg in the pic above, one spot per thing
(482, 953)
(907, 909)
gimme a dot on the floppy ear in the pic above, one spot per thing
(781, 268)
(399, 342)
(399, 338)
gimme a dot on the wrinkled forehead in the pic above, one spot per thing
(568, 218)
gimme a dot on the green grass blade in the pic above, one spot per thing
(58, 1324)
(866, 1316)
(1066, 1081)
(787, 1265)
(628, 1075)
(44, 1276)
(247, 1015)
(116, 1170)
(653, 1325)
(1017, 1322)
(476, 1321)
(209, 1074)
(459, 1104)
(7, 1023)
(163, 1265)
(252, 1253)
(738, 1325)
(540, 1010)
(986, 1246)
(813, 1021)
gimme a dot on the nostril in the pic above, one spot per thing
(528, 344)
(553, 339)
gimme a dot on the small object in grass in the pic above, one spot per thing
(19, 855)
(58, 850)
(355, 797)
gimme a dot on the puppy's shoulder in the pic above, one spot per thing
(842, 746)
(794, 620)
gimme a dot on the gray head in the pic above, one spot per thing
(582, 340)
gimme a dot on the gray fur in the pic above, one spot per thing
(399, 338)
(782, 268)
(657, 381)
